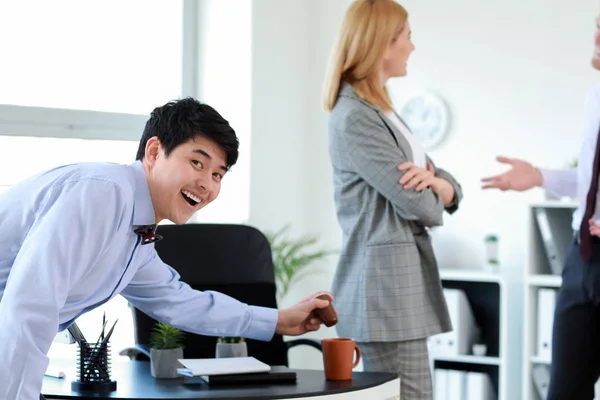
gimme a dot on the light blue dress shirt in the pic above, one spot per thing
(575, 182)
(67, 245)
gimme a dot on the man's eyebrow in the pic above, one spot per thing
(205, 154)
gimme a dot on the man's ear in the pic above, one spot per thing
(153, 149)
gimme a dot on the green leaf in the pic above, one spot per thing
(164, 337)
(292, 257)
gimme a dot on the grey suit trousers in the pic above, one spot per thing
(409, 359)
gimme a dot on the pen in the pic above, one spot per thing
(103, 325)
(95, 362)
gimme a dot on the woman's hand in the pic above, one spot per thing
(421, 178)
(416, 177)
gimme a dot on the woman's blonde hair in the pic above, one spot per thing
(367, 30)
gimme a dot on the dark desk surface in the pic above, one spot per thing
(135, 382)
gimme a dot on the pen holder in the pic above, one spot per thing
(93, 369)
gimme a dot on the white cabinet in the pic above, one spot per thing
(486, 295)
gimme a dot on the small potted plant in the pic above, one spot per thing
(166, 347)
(231, 347)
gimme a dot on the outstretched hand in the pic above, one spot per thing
(299, 318)
(521, 176)
(594, 227)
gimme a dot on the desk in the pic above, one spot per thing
(135, 382)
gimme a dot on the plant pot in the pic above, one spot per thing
(164, 364)
(225, 350)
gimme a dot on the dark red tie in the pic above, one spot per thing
(585, 238)
(147, 232)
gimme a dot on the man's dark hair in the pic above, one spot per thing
(179, 121)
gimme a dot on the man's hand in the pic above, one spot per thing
(521, 176)
(594, 228)
(299, 318)
(417, 177)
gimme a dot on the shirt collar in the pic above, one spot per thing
(143, 209)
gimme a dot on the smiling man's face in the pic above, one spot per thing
(186, 180)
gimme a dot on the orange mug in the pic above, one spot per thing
(338, 358)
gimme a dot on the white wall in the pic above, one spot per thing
(285, 186)
(280, 113)
(514, 77)
(514, 74)
(225, 67)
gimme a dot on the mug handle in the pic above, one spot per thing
(357, 350)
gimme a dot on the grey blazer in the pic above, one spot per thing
(387, 285)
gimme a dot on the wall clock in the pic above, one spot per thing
(427, 116)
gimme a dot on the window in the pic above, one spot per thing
(110, 55)
(83, 77)
(226, 77)
(21, 157)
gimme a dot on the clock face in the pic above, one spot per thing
(427, 117)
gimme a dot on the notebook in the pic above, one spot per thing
(277, 374)
(221, 366)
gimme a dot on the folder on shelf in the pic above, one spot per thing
(449, 384)
(456, 384)
(440, 384)
(556, 235)
(546, 299)
(465, 331)
(479, 387)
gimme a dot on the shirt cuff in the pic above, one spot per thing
(263, 322)
(453, 206)
(547, 178)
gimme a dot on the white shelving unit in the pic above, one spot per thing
(486, 293)
(469, 359)
(538, 274)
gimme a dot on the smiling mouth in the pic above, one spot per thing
(190, 198)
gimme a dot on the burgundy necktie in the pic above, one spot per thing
(585, 238)
(147, 232)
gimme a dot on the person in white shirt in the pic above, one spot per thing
(576, 332)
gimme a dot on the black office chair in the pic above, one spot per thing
(233, 259)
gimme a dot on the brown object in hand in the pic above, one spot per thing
(338, 358)
(327, 314)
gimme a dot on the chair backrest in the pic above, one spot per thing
(233, 259)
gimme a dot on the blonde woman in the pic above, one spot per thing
(387, 194)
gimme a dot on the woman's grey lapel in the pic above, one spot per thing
(400, 138)
(347, 90)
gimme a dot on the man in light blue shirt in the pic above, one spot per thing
(575, 342)
(68, 244)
